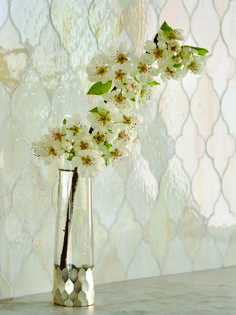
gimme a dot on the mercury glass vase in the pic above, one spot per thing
(73, 255)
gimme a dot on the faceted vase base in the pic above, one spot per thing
(73, 286)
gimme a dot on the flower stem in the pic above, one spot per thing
(69, 214)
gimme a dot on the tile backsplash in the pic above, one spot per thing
(168, 208)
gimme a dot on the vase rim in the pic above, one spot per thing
(66, 169)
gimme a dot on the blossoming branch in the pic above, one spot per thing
(122, 81)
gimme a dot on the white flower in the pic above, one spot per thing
(84, 141)
(154, 50)
(99, 68)
(186, 54)
(197, 65)
(143, 71)
(102, 136)
(167, 60)
(147, 59)
(177, 60)
(171, 34)
(73, 126)
(145, 94)
(173, 45)
(115, 154)
(121, 71)
(47, 149)
(119, 100)
(173, 73)
(179, 34)
(99, 135)
(132, 120)
(128, 86)
(122, 54)
(125, 137)
(89, 162)
(104, 115)
(56, 133)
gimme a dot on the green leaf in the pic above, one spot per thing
(201, 51)
(107, 145)
(94, 110)
(103, 110)
(64, 121)
(99, 110)
(133, 99)
(100, 88)
(136, 79)
(153, 83)
(70, 158)
(166, 28)
(179, 65)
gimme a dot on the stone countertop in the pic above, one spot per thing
(202, 292)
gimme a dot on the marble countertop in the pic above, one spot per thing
(202, 292)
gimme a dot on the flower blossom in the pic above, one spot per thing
(89, 162)
(120, 100)
(99, 68)
(168, 35)
(47, 149)
(197, 65)
(122, 54)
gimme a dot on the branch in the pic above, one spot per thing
(63, 261)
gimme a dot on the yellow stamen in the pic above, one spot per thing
(142, 67)
(99, 137)
(119, 75)
(120, 98)
(75, 129)
(121, 58)
(84, 145)
(127, 120)
(116, 153)
(51, 151)
(102, 70)
(104, 118)
(86, 160)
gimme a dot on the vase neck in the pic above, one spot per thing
(65, 165)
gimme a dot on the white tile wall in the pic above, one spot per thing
(171, 206)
